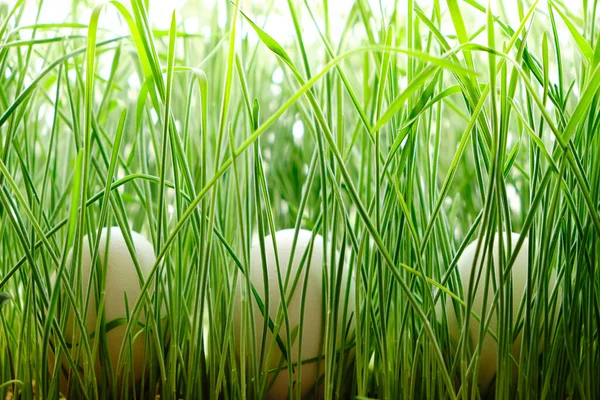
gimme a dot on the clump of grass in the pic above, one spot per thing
(400, 135)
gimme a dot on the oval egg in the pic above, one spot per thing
(489, 350)
(121, 278)
(313, 328)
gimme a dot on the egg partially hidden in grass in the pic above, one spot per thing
(313, 326)
(489, 350)
(121, 279)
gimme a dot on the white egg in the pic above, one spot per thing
(313, 329)
(489, 350)
(121, 278)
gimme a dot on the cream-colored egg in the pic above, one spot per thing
(121, 278)
(489, 349)
(313, 328)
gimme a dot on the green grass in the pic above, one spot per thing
(426, 125)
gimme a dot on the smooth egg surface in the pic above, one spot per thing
(313, 328)
(121, 278)
(489, 349)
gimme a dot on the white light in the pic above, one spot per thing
(133, 86)
(448, 201)
(39, 64)
(84, 14)
(298, 132)
(284, 207)
(276, 90)
(205, 331)
(277, 76)
(310, 33)
(510, 139)
(153, 116)
(104, 70)
(120, 175)
(404, 141)
(222, 14)
(255, 237)
(190, 25)
(72, 74)
(133, 81)
(206, 31)
(514, 200)
(160, 12)
(46, 112)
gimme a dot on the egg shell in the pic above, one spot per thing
(313, 328)
(121, 278)
(489, 350)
